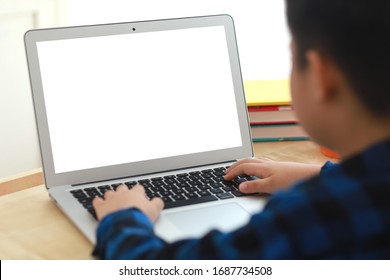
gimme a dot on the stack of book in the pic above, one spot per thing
(271, 115)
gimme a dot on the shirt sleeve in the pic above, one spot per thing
(327, 167)
(128, 234)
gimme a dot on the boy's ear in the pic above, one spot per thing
(323, 74)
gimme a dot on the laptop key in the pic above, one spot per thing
(207, 175)
(219, 173)
(143, 181)
(85, 201)
(131, 184)
(190, 189)
(115, 186)
(204, 188)
(165, 193)
(183, 179)
(191, 195)
(229, 189)
(171, 181)
(158, 183)
(157, 189)
(207, 181)
(238, 193)
(182, 185)
(204, 193)
(216, 191)
(239, 180)
(219, 179)
(103, 191)
(170, 187)
(151, 195)
(220, 169)
(195, 183)
(93, 213)
(190, 201)
(146, 184)
(228, 183)
(225, 195)
(93, 193)
(157, 179)
(177, 191)
(216, 185)
(79, 194)
(166, 199)
(207, 171)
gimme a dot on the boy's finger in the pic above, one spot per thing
(158, 202)
(108, 194)
(138, 188)
(121, 187)
(249, 168)
(97, 201)
(255, 186)
(234, 165)
(248, 160)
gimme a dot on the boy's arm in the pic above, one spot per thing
(126, 227)
(128, 234)
(126, 215)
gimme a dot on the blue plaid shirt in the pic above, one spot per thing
(343, 213)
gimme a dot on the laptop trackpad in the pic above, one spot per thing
(197, 222)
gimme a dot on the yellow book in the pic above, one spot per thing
(267, 92)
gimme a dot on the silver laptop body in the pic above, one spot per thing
(125, 102)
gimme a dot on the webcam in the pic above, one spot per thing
(133, 29)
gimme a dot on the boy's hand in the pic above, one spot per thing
(274, 175)
(124, 198)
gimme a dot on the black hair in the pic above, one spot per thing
(355, 34)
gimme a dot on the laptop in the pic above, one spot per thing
(157, 102)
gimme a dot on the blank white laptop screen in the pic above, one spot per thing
(133, 97)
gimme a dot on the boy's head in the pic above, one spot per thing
(352, 38)
(355, 34)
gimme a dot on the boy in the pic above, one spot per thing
(341, 93)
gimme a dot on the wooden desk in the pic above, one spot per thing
(32, 227)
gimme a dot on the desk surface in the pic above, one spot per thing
(32, 227)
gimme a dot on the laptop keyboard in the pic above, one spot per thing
(176, 190)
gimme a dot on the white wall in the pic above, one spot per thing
(261, 32)
(19, 150)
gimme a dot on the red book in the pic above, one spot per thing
(271, 115)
